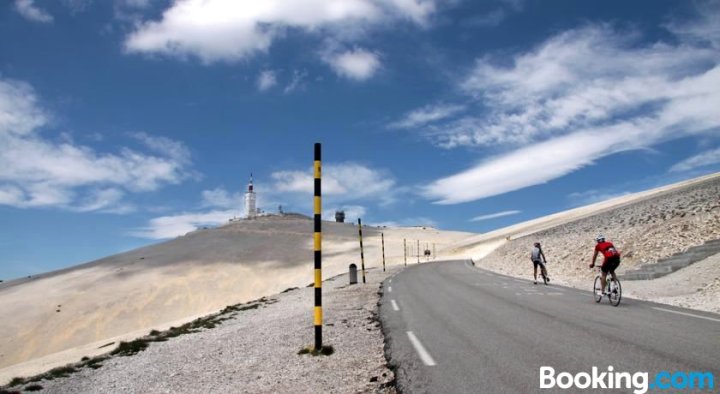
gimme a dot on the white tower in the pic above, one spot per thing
(250, 209)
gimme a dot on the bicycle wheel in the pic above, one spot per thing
(545, 279)
(615, 292)
(597, 289)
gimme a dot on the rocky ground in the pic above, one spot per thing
(251, 347)
(643, 231)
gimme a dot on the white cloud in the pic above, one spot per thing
(345, 181)
(706, 158)
(266, 80)
(30, 11)
(37, 171)
(357, 64)
(176, 225)
(494, 215)
(229, 30)
(581, 95)
(297, 82)
(221, 198)
(427, 114)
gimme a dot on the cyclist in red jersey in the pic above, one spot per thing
(611, 259)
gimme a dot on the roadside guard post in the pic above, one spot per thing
(362, 255)
(382, 237)
(353, 274)
(405, 250)
(317, 243)
(418, 251)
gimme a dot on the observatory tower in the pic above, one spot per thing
(250, 199)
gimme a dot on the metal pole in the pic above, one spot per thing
(405, 250)
(382, 237)
(317, 238)
(418, 251)
(362, 255)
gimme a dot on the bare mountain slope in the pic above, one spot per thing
(191, 275)
(645, 228)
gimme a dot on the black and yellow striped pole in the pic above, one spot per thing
(405, 250)
(382, 237)
(317, 238)
(362, 255)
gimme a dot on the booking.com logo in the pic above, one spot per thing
(638, 381)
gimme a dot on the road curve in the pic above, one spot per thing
(455, 328)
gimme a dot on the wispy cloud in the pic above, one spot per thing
(341, 181)
(36, 171)
(266, 80)
(425, 115)
(580, 96)
(706, 158)
(172, 226)
(297, 82)
(30, 11)
(494, 215)
(357, 64)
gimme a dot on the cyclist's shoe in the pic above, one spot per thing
(534, 282)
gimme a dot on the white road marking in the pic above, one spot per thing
(390, 281)
(420, 349)
(389, 289)
(518, 280)
(686, 314)
(555, 294)
(394, 305)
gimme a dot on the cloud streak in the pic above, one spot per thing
(580, 96)
(703, 159)
(494, 215)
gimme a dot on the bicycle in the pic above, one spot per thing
(543, 273)
(612, 287)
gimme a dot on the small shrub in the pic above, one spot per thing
(130, 348)
(33, 387)
(324, 351)
(86, 358)
(60, 372)
(154, 332)
(16, 382)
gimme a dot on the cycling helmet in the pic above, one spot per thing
(537, 244)
(600, 238)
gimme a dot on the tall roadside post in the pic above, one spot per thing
(405, 250)
(317, 243)
(382, 237)
(362, 255)
(418, 251)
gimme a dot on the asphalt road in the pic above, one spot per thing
(454, 328)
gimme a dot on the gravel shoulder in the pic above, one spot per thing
(256, 350)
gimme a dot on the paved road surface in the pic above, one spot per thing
(454, 328)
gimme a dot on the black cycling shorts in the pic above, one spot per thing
(540, 263)
(610, 264)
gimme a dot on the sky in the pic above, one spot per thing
(128, 122)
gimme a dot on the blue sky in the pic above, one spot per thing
(126, 122)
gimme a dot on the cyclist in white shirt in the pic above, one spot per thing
(538, 258)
